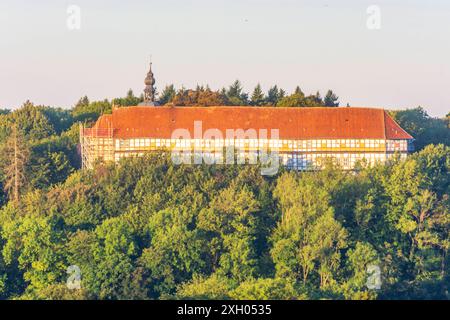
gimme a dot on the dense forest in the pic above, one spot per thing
(147, 229)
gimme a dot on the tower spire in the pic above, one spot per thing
(149, 91)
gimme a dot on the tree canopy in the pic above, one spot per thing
(149, 229)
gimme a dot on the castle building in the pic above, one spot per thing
(302, 137)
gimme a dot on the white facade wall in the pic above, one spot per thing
(296, 154)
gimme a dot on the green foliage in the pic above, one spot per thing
(214, 287)
(267, 289)
(331, 100)
(53, 160)
(167, 95)
(85, 111)
(231, 220)
(35, 245)
(199, 97)
(359, 259)
(60, 119)
(129, 100)
(176, 248)
(273, 96)
(52, 151)
(298, 99)
(148, 229)
(257, 98)
(31, 120)
(425, 129)
(236, 96)
(294, 100)
(308, 240)
(112, 252)
(15, 157)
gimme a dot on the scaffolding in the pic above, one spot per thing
(96, 144)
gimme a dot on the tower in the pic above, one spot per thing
(149, 91)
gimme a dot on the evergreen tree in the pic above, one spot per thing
(273, 96)
(167, 94)
(16, 160)
(318, 99)
(257, 98)
(281, 94)
(32, 122)
(299, 91)
(236, 96)
(82, 102)
(294, 100)
(331, 100)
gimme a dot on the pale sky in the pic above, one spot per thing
(317, 44)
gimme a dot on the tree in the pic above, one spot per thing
(32, 122)
(175, 253)
(273, 96)
(34, 243)
(60, 119)
(167, 95)
(298, 99)
(308, 239)
(129, 100)
(105, 257)
(358, 260)
(294, 100)
(149, 229)
(90, 112)
(267, 289)
(52, 169)
(318, 99)
(257, 98)
(231, 222)
(281, 94)
(214, 287)
(331, 100)
(418, 207)
(328, 238)
(17, 155)
(425, 129)
(236, 96)
(299, 91)
(210, 98)
(82, 102)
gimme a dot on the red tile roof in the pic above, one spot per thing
(393, 130)
(293, 123)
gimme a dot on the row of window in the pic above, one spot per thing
(101, 141)
(397, 145)
(300, 145)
